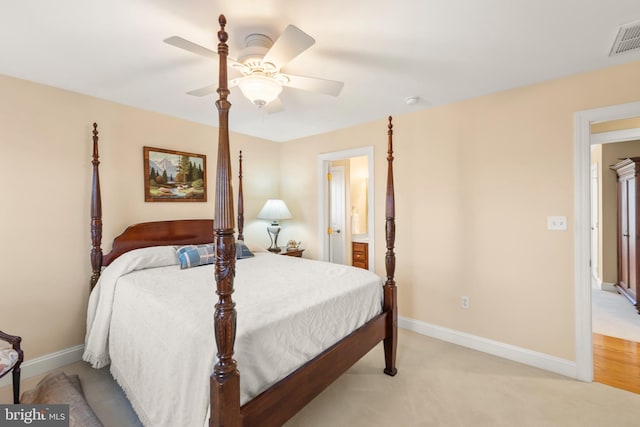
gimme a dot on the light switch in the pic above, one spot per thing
(557, 223)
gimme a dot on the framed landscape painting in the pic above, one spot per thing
(174, 176)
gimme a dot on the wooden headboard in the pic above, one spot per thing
(161, 233)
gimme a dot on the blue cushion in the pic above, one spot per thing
(242, 251)
(195, 255)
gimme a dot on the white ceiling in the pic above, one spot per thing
(440, 50)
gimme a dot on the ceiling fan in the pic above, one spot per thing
(261, 63)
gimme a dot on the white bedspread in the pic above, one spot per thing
(156, 326)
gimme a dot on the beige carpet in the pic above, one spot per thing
(438, 384)
(613, 315)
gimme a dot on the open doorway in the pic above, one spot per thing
(583, 139)
(346, 205)
(615, 320)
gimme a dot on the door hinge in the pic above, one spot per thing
(329, 231)
(328, 176)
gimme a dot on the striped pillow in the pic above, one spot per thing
(195, 255)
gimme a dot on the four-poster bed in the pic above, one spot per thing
(285, 395)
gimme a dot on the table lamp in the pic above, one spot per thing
(274, 210)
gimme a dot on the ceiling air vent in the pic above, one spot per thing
(628, 39)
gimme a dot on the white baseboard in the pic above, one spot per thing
(506, 351)
(46, 363)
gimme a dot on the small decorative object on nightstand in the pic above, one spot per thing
(297, 252)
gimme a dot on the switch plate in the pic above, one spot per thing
(557, 223)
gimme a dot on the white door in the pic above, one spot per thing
(595, 245)
(337, 215)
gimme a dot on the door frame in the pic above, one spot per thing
(595, 225)
(582, 228)
(324, 161)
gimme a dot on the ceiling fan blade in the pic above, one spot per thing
(274, 106)
(204, 91)
(291, 43)
(191, 47)
(313, 84)
(203, 51)
(208, 90)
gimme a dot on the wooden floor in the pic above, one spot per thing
(616, 362)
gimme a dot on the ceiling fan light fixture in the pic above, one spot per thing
(259, 89)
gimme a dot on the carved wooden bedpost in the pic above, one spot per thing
(96, 214)
(225, 379)
(390, 291)
(240, 202)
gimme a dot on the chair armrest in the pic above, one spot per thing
(14, 340)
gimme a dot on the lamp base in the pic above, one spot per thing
(274, 230)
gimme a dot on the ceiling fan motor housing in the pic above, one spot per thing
(257, 47)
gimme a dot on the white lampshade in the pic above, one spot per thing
(274, 210)
(260, 89)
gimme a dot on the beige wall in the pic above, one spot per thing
(614, 125)
(475, 182)
(611, 154)
(45, 144)
(358, 179)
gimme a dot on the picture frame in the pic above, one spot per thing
(174, 176)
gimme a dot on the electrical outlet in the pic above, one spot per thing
(464, 302)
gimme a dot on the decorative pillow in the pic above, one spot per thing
(8, 358)
(242, 251)
(195, 255)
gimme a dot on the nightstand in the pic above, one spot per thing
(294, 252)
(360, 254)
